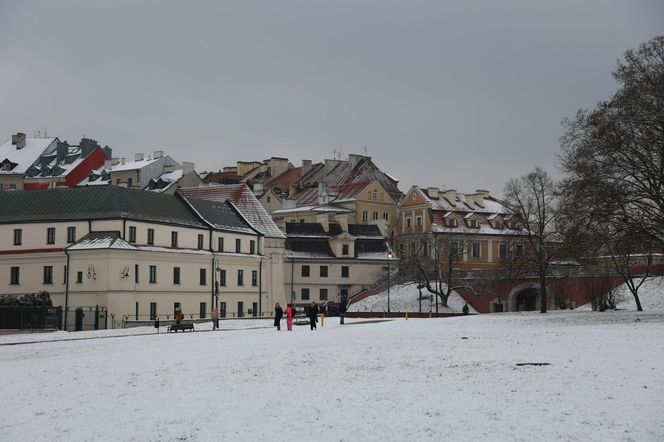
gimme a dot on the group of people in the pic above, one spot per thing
(290, 312)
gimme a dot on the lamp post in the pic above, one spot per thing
(389, 257)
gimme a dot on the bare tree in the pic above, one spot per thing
(613, 155)
(532, 200)
(434, 260)
(632, 257)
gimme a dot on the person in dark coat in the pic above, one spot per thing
(313, 315)
(342, 312)
(465, 309)
(278, 314)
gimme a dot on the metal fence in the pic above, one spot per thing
(90, 317)
(30, 317)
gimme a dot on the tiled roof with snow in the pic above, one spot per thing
(101, 240)
(23, 158)
(133, 165)
(245, 201)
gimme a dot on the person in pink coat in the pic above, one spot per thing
(290, 314)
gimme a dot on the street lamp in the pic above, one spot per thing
(389, 257)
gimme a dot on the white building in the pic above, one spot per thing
(140, 254)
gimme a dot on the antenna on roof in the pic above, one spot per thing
(365, 150)
(337, 153)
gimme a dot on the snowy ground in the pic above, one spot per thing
(405, 298)
(651, 295)
(400, 380)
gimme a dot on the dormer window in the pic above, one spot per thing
(473, 223)
(498, 224)
(453, 222)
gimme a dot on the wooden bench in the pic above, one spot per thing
(177, 327)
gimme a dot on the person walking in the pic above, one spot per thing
(278, 314)
(290, 314)
(465, 309)
(215, 318)
(342, 312)
(313, 315)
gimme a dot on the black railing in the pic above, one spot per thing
(30, 317)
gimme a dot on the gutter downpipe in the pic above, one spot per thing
(64, 326)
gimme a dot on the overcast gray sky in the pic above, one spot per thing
(465, 94)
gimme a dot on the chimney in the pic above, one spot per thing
(322, 194)
(432, 192)
(451, 195)
(187, 167)
(18, 140)
(108, 152)
(158, 154)
(138, 156)
(62, 150)
(306, 167)
(258, 189)
(355, 159)
(107, 164)
(122, 161)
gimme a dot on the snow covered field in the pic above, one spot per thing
(401, 380)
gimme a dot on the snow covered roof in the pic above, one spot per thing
(22, 159)
(165, 181)
(101, 240)
(133, 165)
(245, 201)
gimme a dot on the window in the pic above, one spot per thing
(150, 237)
(153, 311)
(240, 277)
(153, 274)
(254, 278)
(374, 215)
(48, 274)
(305, 271)
(176, 275)
(71, 234)
(220, 244)
(222, 278)
(343, 293)
(374, 196)
(252, 247)
(200, 241)
(18, 237)
(386, 216)
(418, 221)
(240, 309)
(50, 235)
(79, 277)
(344, 271)
(202, 310)
(136, 273)
(453, 222)
(498, 224)
(323, 271)
(323, 294)
(409, 222)
(174, 239)
(344, 249)
(365, 216)
(130, 182)
(238, 245)
(268, 199)
(305, 294)
(14, 275)
(519, 250)
(502, 251)
(454, 247)
(202, 277)
(132, 233)
(476, 249)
